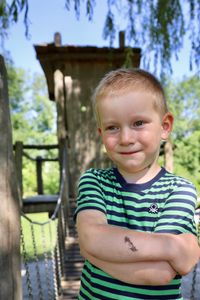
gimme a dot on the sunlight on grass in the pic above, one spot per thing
(45, 235)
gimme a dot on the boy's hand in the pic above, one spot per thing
(186, 253)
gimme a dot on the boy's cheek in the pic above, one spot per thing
(109, 144)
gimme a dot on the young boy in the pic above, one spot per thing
(135, 221)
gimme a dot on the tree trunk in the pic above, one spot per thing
(10, 275)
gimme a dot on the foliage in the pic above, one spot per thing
(18, 103)
(183, 99)
(159, 26)
(9, 13)
(33, 115)
(33, 119)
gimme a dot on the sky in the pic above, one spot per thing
(49, 16)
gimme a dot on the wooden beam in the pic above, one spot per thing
(40, 203)
(39, 147)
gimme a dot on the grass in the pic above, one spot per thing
(44, 241)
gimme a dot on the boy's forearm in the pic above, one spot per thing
(115, 244)
(140, 273)
(186, 253)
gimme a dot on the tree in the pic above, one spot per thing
(183, 98)
(158, 26)
(33, 115)
(33, 119)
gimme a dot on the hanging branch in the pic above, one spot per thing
(158, 27)
(9, 13)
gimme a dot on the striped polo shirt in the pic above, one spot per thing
(165, 204)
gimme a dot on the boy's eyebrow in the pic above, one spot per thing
(106, 123)
(134, 116)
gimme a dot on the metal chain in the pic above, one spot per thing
(25, 260)
(61, 239)
(58, 259)
(53, 263)
(194, 276)
(38, 277)
(47, 266)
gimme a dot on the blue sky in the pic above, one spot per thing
(49, 16)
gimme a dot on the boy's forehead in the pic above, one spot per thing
(128, 93)
(138, 100)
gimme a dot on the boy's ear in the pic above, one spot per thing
(99, 130)
(167, 125)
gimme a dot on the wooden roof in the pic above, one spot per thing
(55, 56)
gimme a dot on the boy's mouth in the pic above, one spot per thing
(129, 152)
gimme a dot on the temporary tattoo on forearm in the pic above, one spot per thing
(130, 244)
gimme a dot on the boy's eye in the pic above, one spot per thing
(111, 128)
(139, 123)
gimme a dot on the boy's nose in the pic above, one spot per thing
(127, 136)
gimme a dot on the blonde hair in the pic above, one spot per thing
(123, 80)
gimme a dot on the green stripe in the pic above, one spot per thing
(97, 205)
(134, 289)
(186, 197)
(86, 292)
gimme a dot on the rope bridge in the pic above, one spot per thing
(55, 254)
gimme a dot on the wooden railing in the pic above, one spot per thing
(19, 149)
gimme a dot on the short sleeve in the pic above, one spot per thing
(178, 212)
(90, 193)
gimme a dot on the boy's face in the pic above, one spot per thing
(132, 129)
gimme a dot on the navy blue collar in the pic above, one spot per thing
(137, 187)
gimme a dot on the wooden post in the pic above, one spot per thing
(121, 39)
(39, 175)
(62, 126)
(18, 166)
(10, 271)
(59, 90)
(57, 39)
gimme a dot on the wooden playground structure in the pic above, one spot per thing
(71, 73)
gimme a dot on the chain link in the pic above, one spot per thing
(55, 284)
(47, 265)
(194, 275)
(25, 260)
(38, 277)
(52, 262)
(58, 258)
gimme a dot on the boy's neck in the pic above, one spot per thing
(142, 176)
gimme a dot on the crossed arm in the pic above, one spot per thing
(132, 256)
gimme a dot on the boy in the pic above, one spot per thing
(135, 221)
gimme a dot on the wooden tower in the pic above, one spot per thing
(72, 73)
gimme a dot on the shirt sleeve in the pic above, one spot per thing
(90, 194)
(177, 215)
